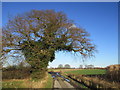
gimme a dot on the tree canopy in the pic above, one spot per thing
(67, 66)
(39, 33)
(60, 66)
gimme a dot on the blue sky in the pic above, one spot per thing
(99, 19)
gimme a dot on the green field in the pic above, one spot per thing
(87, 72)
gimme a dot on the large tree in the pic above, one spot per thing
(60, 66)
(67, 66)
(39, 33)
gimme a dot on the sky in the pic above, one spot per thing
(100, 19)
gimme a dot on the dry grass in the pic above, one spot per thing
(14, 83)
(113, 72)
(62, 70)
(95, 82)
(113, 67)
(39, 84)
(25, 83)
(102, 82)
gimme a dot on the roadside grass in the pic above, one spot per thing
(46, 82)
(73, 82)
(86, 72)
(49, 83)
(13, 84)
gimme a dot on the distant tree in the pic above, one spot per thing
(86, 66)
(39, 33)
(60, 66)
(90, 66)
(81, 66)
(67, 66)
(51, 67)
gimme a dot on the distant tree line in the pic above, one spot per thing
(65, 66)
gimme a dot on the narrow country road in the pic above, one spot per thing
(60, 83)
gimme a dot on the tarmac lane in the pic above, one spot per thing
(62, 84)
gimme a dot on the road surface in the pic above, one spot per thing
(60, 83)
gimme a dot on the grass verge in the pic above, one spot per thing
(46, 82)
(13, 84)
(49, 82)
